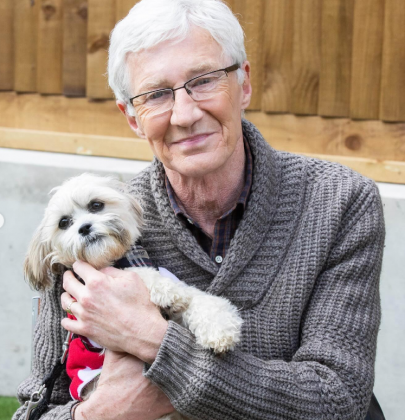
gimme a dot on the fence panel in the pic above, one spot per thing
(393, 71)
(337, 34)
(367, 59)
(101, 21)
(278, 41)
(25, 45)
(6, 45)
(50, 36)
(250, 13)
(74, 47)
(306, 62)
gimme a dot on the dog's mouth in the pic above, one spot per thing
(93, 239)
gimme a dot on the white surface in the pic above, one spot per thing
(61, 160)
(396, 191)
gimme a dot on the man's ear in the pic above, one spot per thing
(132, 121)
(246, 86)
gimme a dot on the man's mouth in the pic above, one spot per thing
(192, 139)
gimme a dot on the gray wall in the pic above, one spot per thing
(25, 179)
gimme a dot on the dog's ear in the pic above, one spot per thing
(134, 202)
(137, 209)
(37, 262)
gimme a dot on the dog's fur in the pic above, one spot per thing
(101, 234)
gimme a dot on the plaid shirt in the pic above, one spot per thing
(225, 227)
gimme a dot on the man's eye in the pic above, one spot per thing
(156, 95)
(65, 222)
(159, 95)
(96, 206)
(203, 81)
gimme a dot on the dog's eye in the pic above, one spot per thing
(96, 206)
(65, 222)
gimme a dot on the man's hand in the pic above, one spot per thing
(113, 309)
(124, 393)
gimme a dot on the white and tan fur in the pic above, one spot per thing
(213, 320)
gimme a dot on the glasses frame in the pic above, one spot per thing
(227, 70)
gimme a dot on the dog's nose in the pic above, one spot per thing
(85, 229)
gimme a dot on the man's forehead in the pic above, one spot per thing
(173, 62)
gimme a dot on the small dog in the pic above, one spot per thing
(94, 219)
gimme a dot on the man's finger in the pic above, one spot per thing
(66, 300)
(72, 326)
(72, 285)
(85, 271)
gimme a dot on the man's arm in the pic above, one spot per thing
(332, 373)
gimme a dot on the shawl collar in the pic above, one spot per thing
(252, 228)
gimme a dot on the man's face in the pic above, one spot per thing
(194, 138)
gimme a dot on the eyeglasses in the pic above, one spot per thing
(199, 88)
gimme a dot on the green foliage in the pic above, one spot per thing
(8, 406)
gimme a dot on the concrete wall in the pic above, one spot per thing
(25, 179)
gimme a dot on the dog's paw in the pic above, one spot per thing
(215, 322)
(173, 300)
(220, 341)
(164, 292)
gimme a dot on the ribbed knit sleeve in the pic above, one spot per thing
(48, 340)
(331, 374)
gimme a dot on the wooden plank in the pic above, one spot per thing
(122, 8)
(74, 47)
(82, 144)
(367, 59)
(50, 38)
(25, 42)
(135, 148)
(278, 45)
(393, 70)
(332, 136)
(250, 13)
(101, 21)
(337, 34)
(58, 113)
(306, 56)
(6, 45)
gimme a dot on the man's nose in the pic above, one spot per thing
(185, 110)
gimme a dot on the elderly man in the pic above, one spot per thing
(295, 243)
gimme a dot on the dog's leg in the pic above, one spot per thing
(164, 292)
(213, 320)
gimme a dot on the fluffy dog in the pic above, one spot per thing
(94, 219)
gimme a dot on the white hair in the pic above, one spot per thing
(151, 22)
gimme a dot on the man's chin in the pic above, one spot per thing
(197, 165)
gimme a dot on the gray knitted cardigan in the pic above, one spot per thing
(303, 267)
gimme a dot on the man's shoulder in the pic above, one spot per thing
(140, 183)
(321, 171)
(333, 181)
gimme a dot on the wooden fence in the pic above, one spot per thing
(340, 59)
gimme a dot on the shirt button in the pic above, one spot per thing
(218, 259)
(190, 221)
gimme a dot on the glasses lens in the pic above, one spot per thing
(206, 86)
(154, 103)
